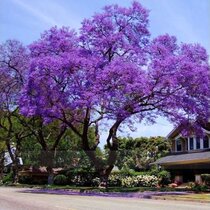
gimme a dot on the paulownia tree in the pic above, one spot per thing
(113, 72)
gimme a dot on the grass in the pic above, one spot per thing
(202, 197)
(115, 189)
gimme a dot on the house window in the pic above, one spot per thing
(198, 143)
(205, 142)
(191, 143)
(178, 145)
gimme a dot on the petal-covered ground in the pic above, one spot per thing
(104, 194)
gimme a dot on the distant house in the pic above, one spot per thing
(8, 160)
(189, 157)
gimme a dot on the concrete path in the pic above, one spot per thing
(16, 199)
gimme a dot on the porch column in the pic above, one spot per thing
(198, 179)
(179, 179)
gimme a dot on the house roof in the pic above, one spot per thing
(206, 126)
(179, 159)
(177, 130)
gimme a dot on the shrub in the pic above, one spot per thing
(115, 180)
(128, 182)
(206, 178)
(60, 179)
(25, 180)
(164, 178)
(137, 173)
(147, 180)
(140, 181)
(122, 173)
(154, 171)
(198, 187)
(8, 178)
(80, 177)
(96, 182)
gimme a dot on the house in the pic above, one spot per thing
(189, 156)
(7, 158)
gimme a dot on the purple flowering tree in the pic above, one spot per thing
(13, 69)
(14, 128)
(113, 72)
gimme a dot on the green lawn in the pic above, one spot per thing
(201, 197)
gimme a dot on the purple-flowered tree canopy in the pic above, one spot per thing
(112, 70)
(13, 69)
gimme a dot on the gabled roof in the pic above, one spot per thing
(206, 126)
(200, 157)
(177, 130)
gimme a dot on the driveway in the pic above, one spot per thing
(17, 199)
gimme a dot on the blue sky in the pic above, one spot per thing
(188, 20)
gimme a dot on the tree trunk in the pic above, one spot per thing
(50, 178)
(103, 169)
(15, 171)
(15, 162)
(47, 160)
(1, 166)
(108, 168)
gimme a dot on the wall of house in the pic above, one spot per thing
(173, 146)
(185, 144)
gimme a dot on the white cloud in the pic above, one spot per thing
(36, 12)
(50, 12)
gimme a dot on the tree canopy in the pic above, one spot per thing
(112, 70)
(139, 153)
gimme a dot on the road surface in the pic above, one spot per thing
(16, 199)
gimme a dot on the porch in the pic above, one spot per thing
(186, 167)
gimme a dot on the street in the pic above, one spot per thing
(16, 199)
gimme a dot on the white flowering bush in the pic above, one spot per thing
(128, 182)
(115, 180)
(80, 177)
(147, 180)
(140, 181)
